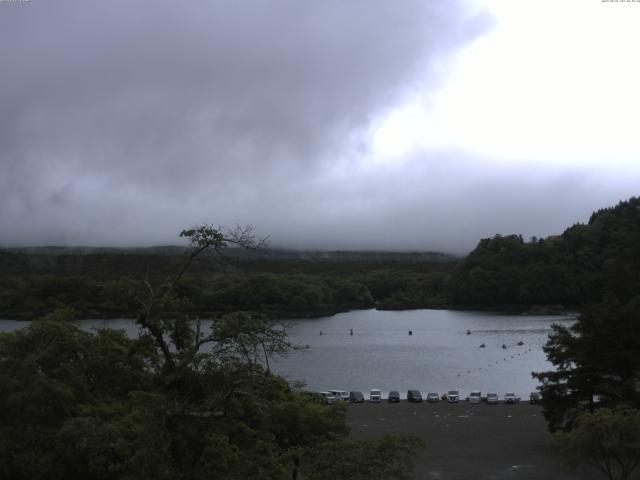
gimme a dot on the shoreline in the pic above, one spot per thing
(309, 314)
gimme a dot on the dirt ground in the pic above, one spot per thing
(464, 441)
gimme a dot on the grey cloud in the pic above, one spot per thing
(422, 205)
(124, 121)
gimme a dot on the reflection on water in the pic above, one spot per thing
(443, 351)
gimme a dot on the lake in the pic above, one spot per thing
(439, 355)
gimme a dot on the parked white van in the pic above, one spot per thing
(375, 396)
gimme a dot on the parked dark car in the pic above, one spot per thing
(414, 396)
(394, 397)
(356, 397)
(534, 397)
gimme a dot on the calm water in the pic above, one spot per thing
(438, 356)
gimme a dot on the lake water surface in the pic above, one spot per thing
(439, 355)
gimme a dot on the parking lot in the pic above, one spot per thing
(464, 441)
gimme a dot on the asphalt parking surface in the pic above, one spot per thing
(470, 441)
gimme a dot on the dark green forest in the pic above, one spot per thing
(577, 267)
(591, 399)
(102, 284)
(550, 274)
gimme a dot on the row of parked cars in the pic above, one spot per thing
(452, 396)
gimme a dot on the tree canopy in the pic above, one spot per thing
(596, 362)
(608, 440)
(581, 266)
(77, 404)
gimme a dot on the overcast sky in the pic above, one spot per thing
(364, 124)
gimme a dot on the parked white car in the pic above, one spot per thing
(475, 397)
(340, 395)
(510, 398)
(433, 397)
(327, 397)
(375, 396)
(492, 398)
(453, 396)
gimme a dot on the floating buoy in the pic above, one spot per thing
(468, 332)
(504, 346)
(410, 332)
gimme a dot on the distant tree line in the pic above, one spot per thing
(566, 271)
(100, 285)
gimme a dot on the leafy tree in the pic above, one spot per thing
(54, 379)
(177, 402)
(608, 440)
(596, 362)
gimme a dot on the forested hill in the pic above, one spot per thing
(582, 265)
(554, 273)
(104, 282)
